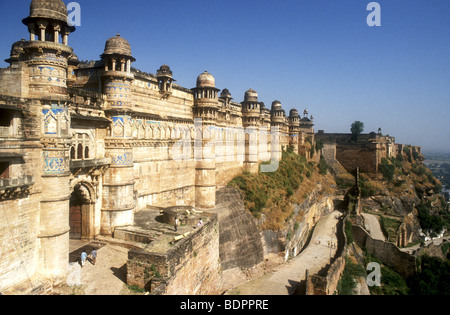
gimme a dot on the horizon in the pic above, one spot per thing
(320, 55)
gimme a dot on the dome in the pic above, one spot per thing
(225, 93)
(17, 48)
(276, 105)
(251, 95)
(293, 113)
(48, 9)
(206, 80)
(164, 68)
(73, 60)
(164, 71)
(52, 9)
(117, 46)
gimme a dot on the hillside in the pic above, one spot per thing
(407, 199)
(270, 197)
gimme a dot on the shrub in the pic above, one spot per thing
(348, 232)
(432, 224)
(433, 277)
(347, 283)
(387, 170)
(323, 166)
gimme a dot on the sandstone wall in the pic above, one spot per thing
(327, 284)
(388, 253)
(240, 240)
(19, 226)
(191, 267)
(363, 156)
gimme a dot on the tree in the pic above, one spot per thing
(356, 129)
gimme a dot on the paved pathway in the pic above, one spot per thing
(285, 278)
(106, 277)
(372, 225)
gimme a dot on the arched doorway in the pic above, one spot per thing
(81, 211)
(75, 220)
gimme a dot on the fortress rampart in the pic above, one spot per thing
(85, 146)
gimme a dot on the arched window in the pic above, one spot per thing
(86, 152)
(79, 151)
(72, 153)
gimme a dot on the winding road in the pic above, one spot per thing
(285, 279)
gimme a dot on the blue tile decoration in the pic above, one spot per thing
(122, 159)
(52, 116)
(54, 162)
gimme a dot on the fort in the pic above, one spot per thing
(87, 146)
(100, 150)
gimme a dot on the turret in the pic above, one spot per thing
(251, 109)
(47, 52)
(117, 77)
(165, 81)
(206, 102)
(294, 128)
(206, 107)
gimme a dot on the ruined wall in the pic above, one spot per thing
(388, 253)
(191, 267)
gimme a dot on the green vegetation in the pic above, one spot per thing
(348, 232)
(259, 188)
(387, 170)
(367, 189)
(432, 224)
(433, 277)
(390, 227)
(347, 283)
(323, 166)
(392, 283)
(356, 129)
(274, 193)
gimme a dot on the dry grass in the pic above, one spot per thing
(271, 195)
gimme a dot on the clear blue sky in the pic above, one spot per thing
(315, 54)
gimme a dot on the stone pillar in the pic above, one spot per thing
(118, 191)
(42, 26)
(129, 66)
(119, 200)
(53, 237)
(205, 170)
(251, 163)
(32, 30)
(66, 36)
(57, 30)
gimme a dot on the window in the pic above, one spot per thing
(4, 170)
(81, 147)
(6, 118)
(79, 151)
(10, 123)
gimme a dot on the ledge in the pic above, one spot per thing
(89, 163)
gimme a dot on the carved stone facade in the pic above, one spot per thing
(84, 146)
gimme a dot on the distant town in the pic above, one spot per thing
(439, 164)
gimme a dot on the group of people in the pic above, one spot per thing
(177, 223)
(92, 256)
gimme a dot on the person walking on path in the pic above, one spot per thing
(93, 256)
(83, 258)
